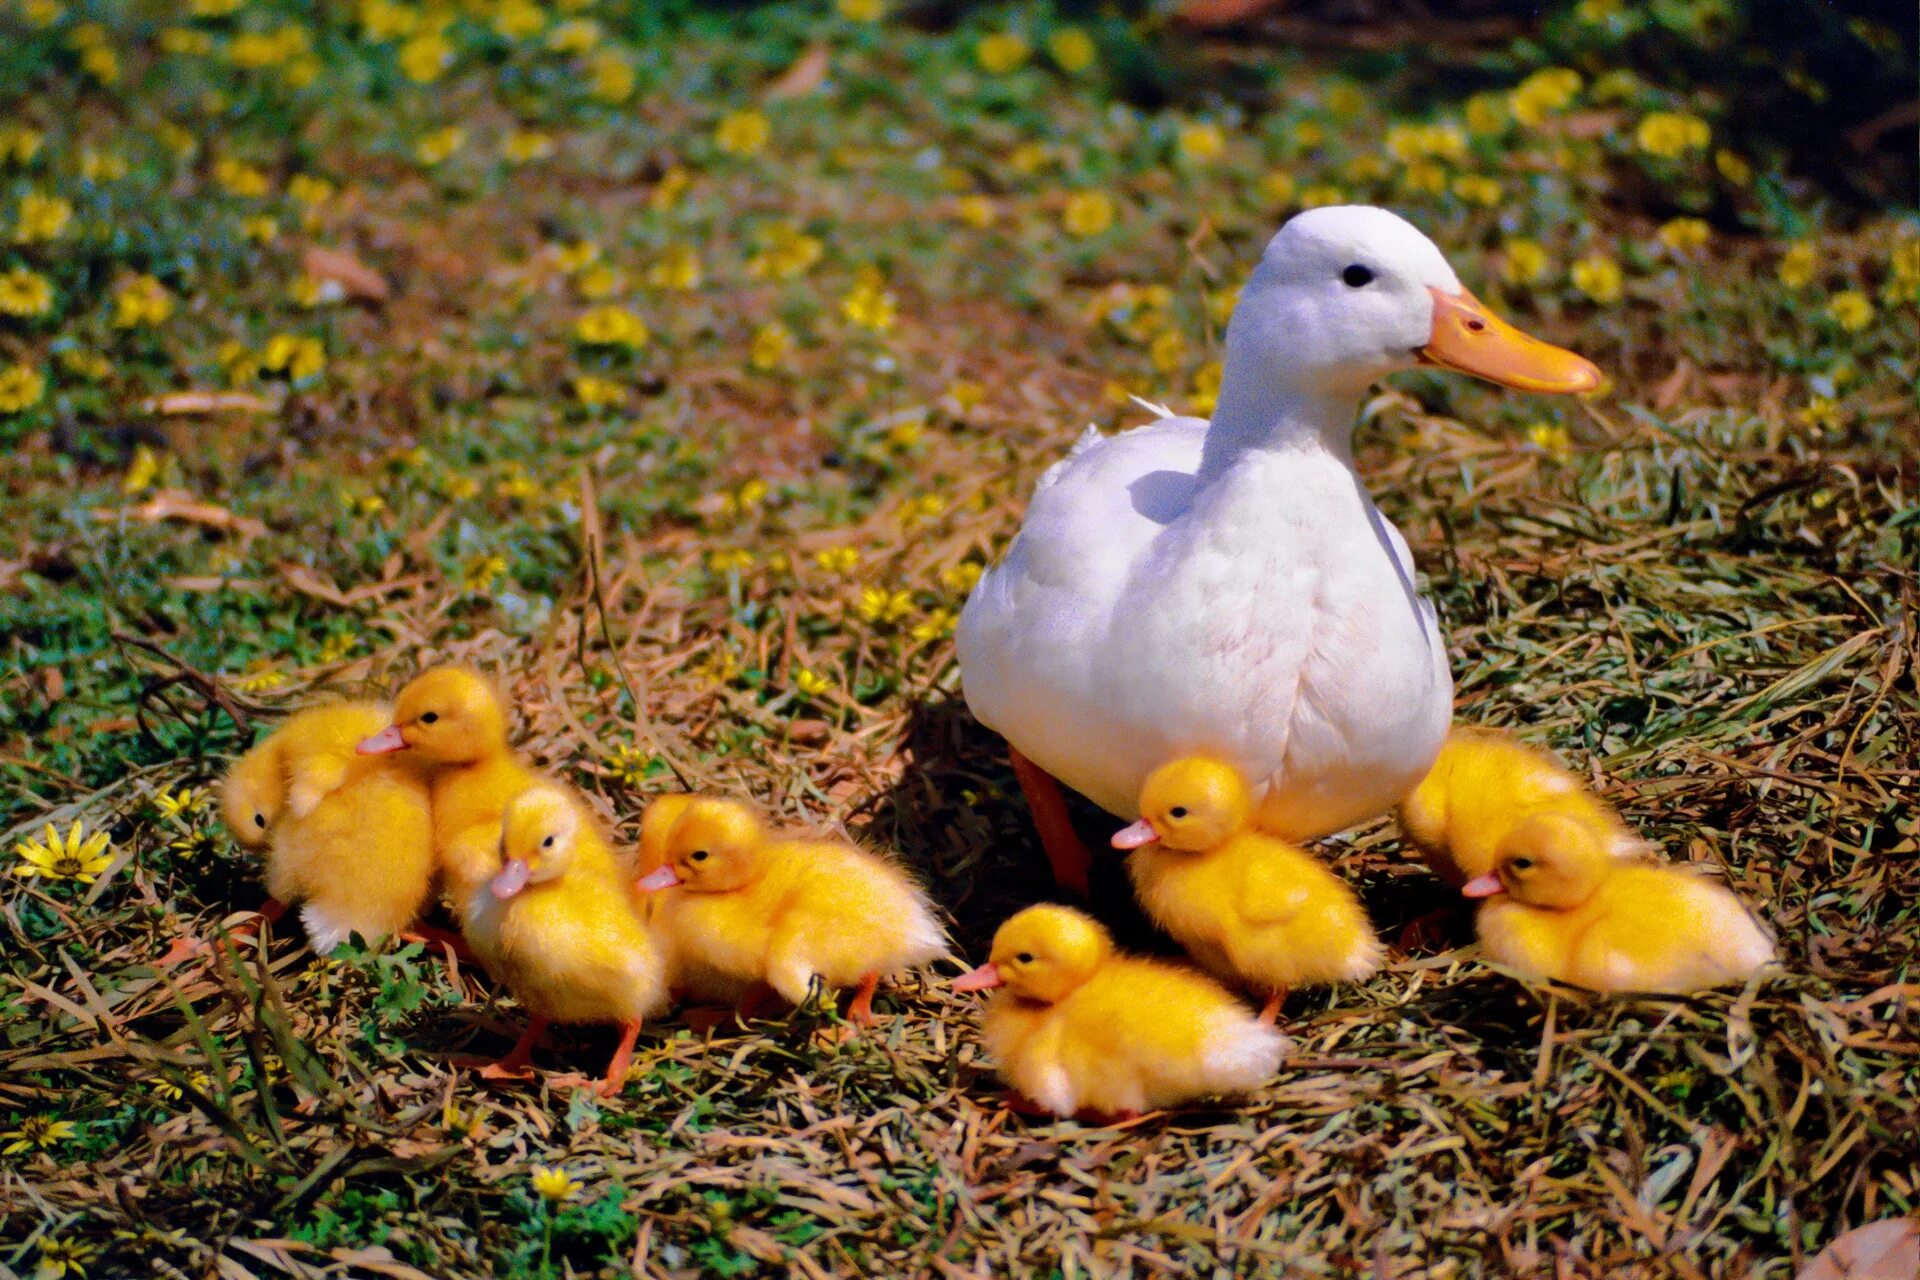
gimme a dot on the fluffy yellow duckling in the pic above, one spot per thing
(452, 726)
(1561, 905)
(554, 924)
(1078, 1028)
(347, 837)
(1252, 909)
(1486, 783)
(747, 907)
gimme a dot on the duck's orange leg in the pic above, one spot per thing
(191, 948)
(433, 935)
(1065, 852)
(1270, 1011)
(622, 1060)
(518, 1063)
(860, 1009)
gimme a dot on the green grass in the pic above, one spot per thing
(1699, 586)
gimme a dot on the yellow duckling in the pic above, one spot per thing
(554, 924)
(1486, 783)
(1252, 909)
(452, 726)
(347, 837)
(1079, 1028)
(1561, 905)
(747, 907)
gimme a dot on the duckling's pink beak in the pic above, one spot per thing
(1484, 887)
(1133, 837)
(659, 878)
(385, 742)
(512, 879)
(985, 978)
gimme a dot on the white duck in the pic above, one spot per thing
(1228, 588)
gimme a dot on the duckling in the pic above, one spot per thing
(1079, 1028)
(1560, 904)
(347, 837)
(1252, 909)
(553, 924)
(1486, 783)
(749, 907)
(452, 726)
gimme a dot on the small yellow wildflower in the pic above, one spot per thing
(666, 193)
(576, 35)
(612, 326)
(82, 363)
(260, 229)
(141, 471)
(937, 625)
(1486, 114)
(1426, 176)
(1029, 157)
(1671, 133)
(1278, 186)
(1733, 167)
(810, 684)
(178, 804)
(678, 269)
(1851, 309)
(311, 291)
(185, 42)
(960, 578)
(1087, 213)
(1821, 414)
(309, 190)
(1551, 439)
(296, 356)
(862, 10)
(1475, 188)
(1321, 195)
(1545, 91)
(1905, 262)
(1072, 50)
(1598, 276)
(1202, 143)
(519, 19)
(598, 281)
(786, 252)
(1597, 12)
(18, 144)
(1309, 134)
(515, 485)
(1205, 391)
(41, 217)
(425, 58)
(1001, 52)
(240, 178)
(1167, 350)
(76, 856)
(771, 343)
(1410, 142)
(965, 395)
(100, 62)
(554, 1184)
(730, 560)
(628, 764)
(435, 147)
(141, 303)
(481, 572)
(928, 506)
(743, 132)
(598, 393)
(1684, 234)
(838, 560)
(976, 211)
(36, 1133)
(25, 293)
(1525, 261)
(240, 364)
(748, 496)
(611, 78)
(1797, 266)
(523, 146)
(868, 304)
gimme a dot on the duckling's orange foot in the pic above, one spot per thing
(505, 1070)
(434, 936)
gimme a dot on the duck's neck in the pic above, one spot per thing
(1259, 412)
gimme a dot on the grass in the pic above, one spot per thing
(733, 559)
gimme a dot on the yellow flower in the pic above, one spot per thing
(1526, 261)
(771, 343)
(1206, 387)
(839, 560)
(810, 683)
(254, 49)
(1597, 12)
(612, 327)
(786, 252)
(554, 1184)
(965, 395)
(1320, 195)
(296, 356)
(628, 764)
(1598, 276)
(1409, 142)
(1671, 133)
(25, 293)
(1486, 114)
(76, 856)
(1542, 93)
(576, 35)
(177, 804)
(1166, 350)
(1683, 234)
(37, 1133)
(260, 229)
(667, 192)
(239, 178)
(1851, 310)
(597, 281)
(597, 393)
(525, 145)
(425, 58)
(1551, 439)
(516, 485)
(868, 304)
(1278, 187)
(1733, 167)
(518, 19)
(185, 42)
(1477, 189)
(1202, 143)
(1029, 157)
(1001, 52)
(1072, 50)
(862, 10)
(1426, 176)
(61, 1257)
(312, 291)
(937, 625)
(100, 62)
(976, 211)
(18, 144)
(730, 560)
(141, 471)
(1309, 134)
(678, 269)
(90, 365)
(43, 13)
(748, 496)
(1087, 213)
(1798, 265)
(927, 506)
(611, 78)
(482, 572)
(743, 132)
(438, 145)
(960, 578)
(141, 303)
(308, 190)
(41, 218)
(1820, 414)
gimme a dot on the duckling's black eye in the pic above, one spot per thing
(260, 820)
(547, 843)
(698, 855)
(1521, 864)
(1357, 276)
(1025, 957)
(428, 717)
(1178, 811)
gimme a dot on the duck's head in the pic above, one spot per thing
(714, 846)
(446, 715)
(252, 796)
(1191, 805)
(1347, 294)
(537, 839)
(1042, 954)
(1550, 860)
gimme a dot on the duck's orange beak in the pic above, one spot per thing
(385, 742)
(664, 877)
(985, 978)
(1468, 338)
(1485, 886)
(1133, 837)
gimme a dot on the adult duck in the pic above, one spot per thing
(1227, 588)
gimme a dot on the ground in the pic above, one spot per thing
(684, 369)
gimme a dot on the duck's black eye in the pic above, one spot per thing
(1025, 957)
(547, 843)
(698, 855)
(1178, 811)
(428, 717)
(260, 820)
(1521, 864)
(1357, 276)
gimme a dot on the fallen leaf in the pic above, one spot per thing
(1888, 1250)
(310, 583)
(356, 277)
(177, 504)
(201, 584)
(808, 72)
(175, 402)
